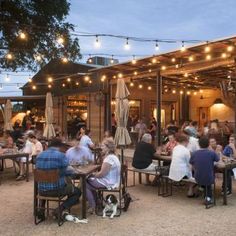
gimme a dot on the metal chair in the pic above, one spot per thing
(46, 176)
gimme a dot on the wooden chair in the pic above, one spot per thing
(46, 176)
(121, 190)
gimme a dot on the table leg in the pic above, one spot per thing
(27, 168)
(84, 204)
(225, 187)
(2, 165)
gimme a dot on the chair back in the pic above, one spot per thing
(46, 176)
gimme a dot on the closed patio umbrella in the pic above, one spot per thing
(8, 115)
(122, 137)
(49, 131)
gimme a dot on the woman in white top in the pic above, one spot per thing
(180, 167)
(107, 177)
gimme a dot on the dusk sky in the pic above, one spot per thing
(172, 19)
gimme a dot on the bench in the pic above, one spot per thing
(140, 172)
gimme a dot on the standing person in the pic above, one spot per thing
(107, 177)
(86, 141)
(53, 159)
(141, 128)
(113, 124)
(193, 144)
(192, 129)
(203, 166)
(152, 130)
(229, 152)
(180, 167)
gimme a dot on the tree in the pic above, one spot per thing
(29, 32)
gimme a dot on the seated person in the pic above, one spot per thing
(37, 147)
(202, 162)
(213, 146)
(144, 154)
(168, 148)
(107, 135)
(180, 167)
(193, 144)
(229, 152)
(27, 148)
(107, 177)
(52, 159)
(78, 155)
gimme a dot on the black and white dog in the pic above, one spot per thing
(111, 205)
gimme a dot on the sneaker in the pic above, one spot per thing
(228, 193)
(20, 177)
(208, 201)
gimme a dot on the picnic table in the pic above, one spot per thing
(13, 155)
(220, 167)
(82, 173)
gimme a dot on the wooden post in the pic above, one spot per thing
(107, 119)
(159, 97)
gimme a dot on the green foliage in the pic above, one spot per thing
(42, 21)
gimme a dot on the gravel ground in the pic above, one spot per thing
(148, 214)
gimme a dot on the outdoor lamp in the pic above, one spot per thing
(218, 101)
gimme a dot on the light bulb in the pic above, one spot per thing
(103, 78)
(177, 66)
(49, 86)
(9, 56)
(22, 35)
(60, 40)
(183, 47)
(150, 70)
(191, 58)
(63, 85)
(77, 83)
(127, 46)
(174, 91)
(7, 78)
(185, 74)
(131, 84)
(157, 46)
(181, 92)
(207, 49)
(64, 60)
(230, 48)
(112, 60)
(140, 86)
(173, 59)
(208, 57)
(154, 60)
(97, 43)
(188, 92)
(163, 67)
(134, 60)
(194, 93)
(86, 78)
(68, 79)
(34, 87)
(135, 73)
(223, 55)
(49, 79)
(120, 75)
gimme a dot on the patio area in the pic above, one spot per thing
(175, 215)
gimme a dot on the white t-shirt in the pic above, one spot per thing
(86, 141)
(180, 166)
(193, 144)
(36, 148)
(112, 178)
(78, 155)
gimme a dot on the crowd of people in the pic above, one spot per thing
(193, 152)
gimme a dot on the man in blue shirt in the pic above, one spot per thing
(230, 152)
(203, 165)
(52, 159)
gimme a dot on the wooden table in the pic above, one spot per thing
(224, 167)
(83, 173)
(220, 166)
(14, 156)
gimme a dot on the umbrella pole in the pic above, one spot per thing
(122, 154)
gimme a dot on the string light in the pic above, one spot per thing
(173, 59)
(127, 46)
(140, 86)
(157, 46)
(90, 59)
(38, 57)
(22, 35)
(34, 87)
(68, 80)
(195, 93)
(9, 56)
(223, 55)
(181, 92)
(131, 84)
(177, 66)
(154, 60)
(174, 91)
(50, 79)
(60, 40)
(191, 58)
(208, 57)
(183, 47)
(134, 60)
(86, 78)
(163, 67)
(97, 43)
(166, 90)
(207, 49)
(120, 75)
(63, 85)
(103, 78)
(112, 60)
(188, 92)
(230, 48)
(135, 73)
(7, 78)
(196, 78)
(150, 70)
(149, 88)
(64, 60)
(185, 75)
(200, 91)
(30, 80)
(90, 81)
(49, 86)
